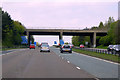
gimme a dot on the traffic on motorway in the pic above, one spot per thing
(44, 46)
(50, 65)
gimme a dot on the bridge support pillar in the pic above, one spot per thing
(28, 35)
(60, 36)
(94, 39)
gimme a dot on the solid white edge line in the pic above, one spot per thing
(78, 68)
(10, 52)
(98, 58)
(96, 78)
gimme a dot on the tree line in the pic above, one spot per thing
(11, 30)
(112, 37)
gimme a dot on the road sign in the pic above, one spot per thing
(35, 43)
(30, 42)
(55, 42)
(61, 42)
(24, 40)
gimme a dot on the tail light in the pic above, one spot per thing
(62, 46)
(70, 46)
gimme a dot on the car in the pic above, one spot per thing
(44, 47)
(110, 47)
(71, 45)
(44, 43)
(66, 48)
(82, 46)
(116, 49)
(32, 46)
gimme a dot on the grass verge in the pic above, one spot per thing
(5, 49)
(109, 57)
(102, 47)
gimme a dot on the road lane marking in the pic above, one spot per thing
(68, 61)
(62, 58)
(12, 52)
(78, 68)
(98, 58)
(96, 78)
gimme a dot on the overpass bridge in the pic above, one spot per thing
(67, 32)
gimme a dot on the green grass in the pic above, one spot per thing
(5, 49)
(102, 47)
(109, 57)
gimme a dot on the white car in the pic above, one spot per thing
(44, 47)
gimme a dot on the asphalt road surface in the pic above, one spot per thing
(95, 66)
(32, 63)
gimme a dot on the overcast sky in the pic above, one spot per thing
(67, 14)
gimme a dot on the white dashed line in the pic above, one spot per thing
(62, 58)
(78, 68)
(68, 61)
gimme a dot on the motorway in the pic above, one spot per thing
(32, 63)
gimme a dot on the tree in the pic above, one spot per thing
(31, 39)
(101, 25)
(112, 37)
(75, 40)
(11, 30)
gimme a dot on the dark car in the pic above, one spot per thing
(66, 48)
(116, 49)
(110, 47)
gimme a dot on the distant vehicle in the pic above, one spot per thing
(110, 47)
(116, 49)
(82, 46)
(71, 45)
(66, 48)
(32, 46)
(43, 43)
(44, 47)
